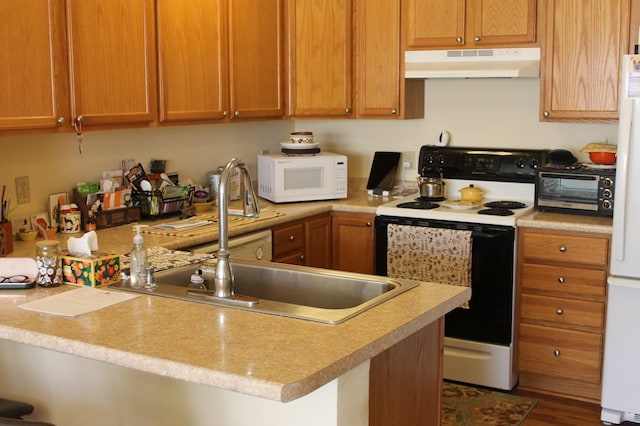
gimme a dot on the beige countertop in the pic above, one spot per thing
(566, 222)
(263, 355)
(118, 240)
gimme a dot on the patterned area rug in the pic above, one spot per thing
(468, 406)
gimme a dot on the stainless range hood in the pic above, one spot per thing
(473, 63)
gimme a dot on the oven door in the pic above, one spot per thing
(489, 318)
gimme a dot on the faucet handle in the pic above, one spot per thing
(251, 207)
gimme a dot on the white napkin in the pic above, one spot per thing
(83, 245)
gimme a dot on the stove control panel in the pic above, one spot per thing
(483, 163)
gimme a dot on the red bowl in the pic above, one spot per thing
(603, 157)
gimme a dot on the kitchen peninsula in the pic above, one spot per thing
(156, 361)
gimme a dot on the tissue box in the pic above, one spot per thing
(91, 271)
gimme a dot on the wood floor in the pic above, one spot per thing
(561, 412)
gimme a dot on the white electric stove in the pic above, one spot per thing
(479, 343)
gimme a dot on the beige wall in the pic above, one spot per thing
(485, 112)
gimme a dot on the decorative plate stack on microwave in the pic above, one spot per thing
(300, 143)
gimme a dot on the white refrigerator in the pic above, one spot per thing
(621, 372)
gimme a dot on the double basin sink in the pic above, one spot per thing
(313, 294)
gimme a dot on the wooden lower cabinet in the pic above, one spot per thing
(405, 381)
(304, 242)
(561, 312)
(353, 242)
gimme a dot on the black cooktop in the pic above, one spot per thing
(489, 164)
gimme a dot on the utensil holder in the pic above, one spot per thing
(6, 238)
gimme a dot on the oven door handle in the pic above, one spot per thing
(485, 234)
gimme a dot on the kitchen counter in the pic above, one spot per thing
(264, 355)
(137, 357)
(566, 222)
(118, 240)
(201, 349)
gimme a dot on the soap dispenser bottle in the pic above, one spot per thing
(139, 261)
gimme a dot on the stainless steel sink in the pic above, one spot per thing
(274, 288)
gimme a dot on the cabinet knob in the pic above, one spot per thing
(347, 110)
(559, 311)
(291, 238)
(562, 249)
(225, 113)
(394, 111)
(561, 280)
(369, 223)
(458, 39)
(476, 38)
(302, 257)
(546, 114)
(236, 114)
(556, 352)
(60, 121)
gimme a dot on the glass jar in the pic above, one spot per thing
(48, 262)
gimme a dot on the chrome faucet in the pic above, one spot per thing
(223, 279)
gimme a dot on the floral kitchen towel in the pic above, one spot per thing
(429, 254)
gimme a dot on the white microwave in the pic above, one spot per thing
(285, 179)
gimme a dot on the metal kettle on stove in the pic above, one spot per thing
(430, 183)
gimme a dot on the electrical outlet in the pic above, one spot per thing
(408, 160)
(23, 192)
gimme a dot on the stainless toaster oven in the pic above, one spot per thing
(582, 190)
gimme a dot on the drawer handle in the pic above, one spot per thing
(562, 249)
(561, 280)
(369, 223)
(302, 257)
(556, 352)
(559, 311)
(291, 238)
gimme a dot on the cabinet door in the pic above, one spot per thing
(193, 56)
(434, 23)
(497, 22)
(317, 238)
(470, 23)
(112, 61)
(33, 88)
(256, 62)
(319, 49)
(581, 61)
(353, 243)
(381, 89)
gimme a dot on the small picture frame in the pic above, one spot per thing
(55, 201)
(21, 223)
(40, 219)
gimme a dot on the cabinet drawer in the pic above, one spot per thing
(563, 312)
(554, 352)
(566, 248)
(288, 238)
(563, 280)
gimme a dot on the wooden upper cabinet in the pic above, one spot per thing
(112, 59)
(469, 23)
(192, 59)
(256, 58)
(581, 61)
(381, 89)
(220, 59)
(33, 86)
(319, 58)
